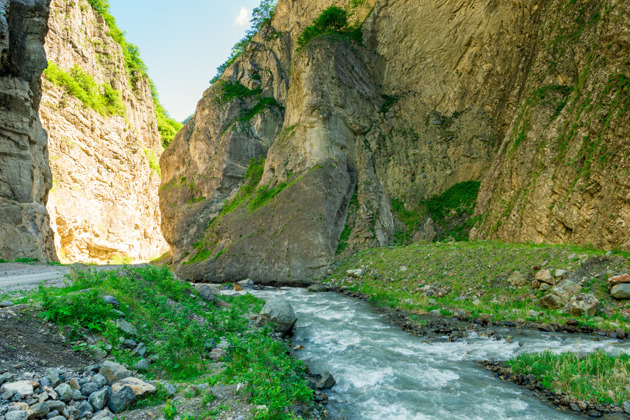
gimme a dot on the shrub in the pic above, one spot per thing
(333, 20)
(154, 161)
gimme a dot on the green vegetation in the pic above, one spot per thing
(137, 69)
(353, 206)
(20, 260)
(121, 259)
(176, 327)
(261, 16)
(102, 98)
(230, 91)
(154, 161)
(333, 20)
(473, 278)
(451, 211)
(264, 193)
(595, 377)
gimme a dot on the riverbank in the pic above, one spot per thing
(201, 356)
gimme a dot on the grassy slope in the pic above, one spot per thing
(175, 325)
(472, 271)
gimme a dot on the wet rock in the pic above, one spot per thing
(544, 276)
(317, 288)
(114, 372)
(517, 280)
(326, 382)
(280, 313)
(582, 304)
(121, 399)
(621, 291)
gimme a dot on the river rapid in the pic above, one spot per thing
(383, 372)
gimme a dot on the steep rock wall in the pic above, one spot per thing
(104, 201)
(346, 128)
(561, 175)
(25, 177)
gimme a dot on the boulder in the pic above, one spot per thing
(582, 304)
(141, 365)
(621, 291)
(99, 399)
(544, 276)
(6, 304)
(205, 292)
(356, 273)
(85, 409)
(126, 327)
(55, 405)
(517, 280)
(38, 411)
(237, 288)
(111, 300)
(53, 376)
(24, 388)
(318, 288)
(280, 313)
(65, 392)
(560, 295)
(114, 372)
(326, 382)
(16, 415)
(138, 386)
(624, 278)
(560, 274)
(247, 284)
(121, 399)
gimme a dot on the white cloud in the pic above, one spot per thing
(243, 18)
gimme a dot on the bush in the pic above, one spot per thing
(333, 20)
(103, 99)
(154, 161)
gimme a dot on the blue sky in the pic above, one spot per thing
(183, 42)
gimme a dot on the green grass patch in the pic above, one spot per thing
(596, 377)
(333, 20)
(264, 193)
(20, 260)
(154, 161)
(102, 98)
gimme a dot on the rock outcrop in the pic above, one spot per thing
(104, 201)
(561, 175)
(25, 177)
(424, 102)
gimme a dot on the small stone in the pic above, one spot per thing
(53, 377)
(6, 304)
(216, 354)
(85, 409)
(544, 276)
(141, 365)
(114, 372)
(74, 384)
(545, 286)
(476, 302)
(205, 292)
(621, 291)
(89, 388)
(138, 386)
(280, 313)
(77, 396)
(583, 304)
(111, 300)
(357, 273)
(6, 377)
(38, 411)
(65, 392)
(140, 350)
(121, 399)
(624, 278)
(317, 288)
(327, 381)
(130, 344)
(99, 380)
(55, 405)
(560, 273)
(24, 388)
(517, 280)
(126, 327)
(170, 389)
(99, 399)
(626, 407)
(535, 284)
(237, 287)
(16, 415)
(247, 284)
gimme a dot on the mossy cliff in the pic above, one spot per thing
(361, 133)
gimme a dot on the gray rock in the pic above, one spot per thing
(130, 344)
(327, 381)
(89, 388)
(280, 313)
(44, 382)
(247, 284)
(126, 327)
(544, 276)
(58, 418)
(99, 380)
(65, 392)
(582, 304)
(626, 407)
(142, 365)
(205, 292)
(170, 389)
(561, 273)
(53, 414)
(84, 409)
(356, 273)
(6, 377)
(6, 304)
(99, 399)
(517, 280)
(318, 288)
(53, 376)
(111, 300)
(560, 295)
(93, 368)
(114, 372)
(56, 405)
(16, 415)
(103, 415)
(24, 388)
(38, 411)
(140, 350)
(121, 400)
(621, 291)
(77, 395)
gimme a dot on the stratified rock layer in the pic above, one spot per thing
(104, 202)
(25, 177)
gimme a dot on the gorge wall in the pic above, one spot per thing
(344, 127)
(104, 142)
(25, 177)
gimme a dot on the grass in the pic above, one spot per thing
(175, 326)
(154, 161)
(595, 377)
(102, 98)
(20, 260)
(478, 271)
(333, 20)
(231, 91)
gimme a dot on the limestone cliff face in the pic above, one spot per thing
(561, 175)
(423, 103)
(104, 201)
(25, 177)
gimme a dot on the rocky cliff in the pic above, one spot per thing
(104, 142)
(561, 175)
(303, 152)
(25, 177)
